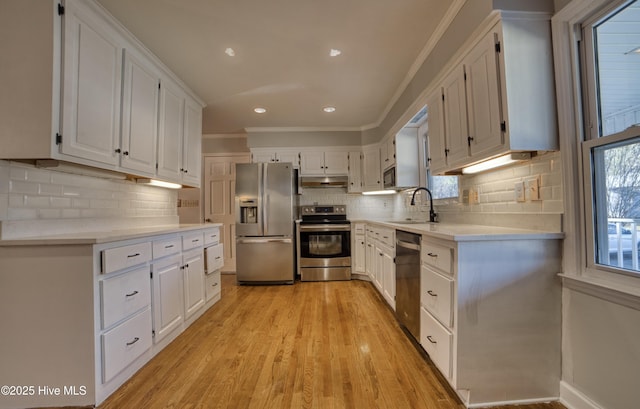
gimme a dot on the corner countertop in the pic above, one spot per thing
(466, 232)
(106, 236)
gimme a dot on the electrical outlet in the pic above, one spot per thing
(533, 188)
(465, 196)
(519, 191)
(473, 196)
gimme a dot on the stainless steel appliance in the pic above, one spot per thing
(408, 281)
(265, 212)
(324, 243)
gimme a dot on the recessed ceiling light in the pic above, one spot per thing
(329, 109)
(334, 52)
(230, 52)
(259, 110)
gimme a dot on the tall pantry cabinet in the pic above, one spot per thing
(85, 91)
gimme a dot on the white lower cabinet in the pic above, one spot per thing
(490, 317)
(193, 268)
(116, 304)
(168, 305)
(124, 343)
(379, 261)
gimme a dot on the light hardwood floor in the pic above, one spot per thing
(308, 345)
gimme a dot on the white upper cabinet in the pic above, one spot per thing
(281, 155)
(435, 120)
(88, 94)
(324, 163)
(388, 153)
(455, 117)
(355, 172)
(91, 87)
(483, 100)
(372, 176)
(499, 98)
(139, 116)
(192, 144)
(171, 132)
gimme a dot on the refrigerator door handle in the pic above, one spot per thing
(264, 240)
(265, 201)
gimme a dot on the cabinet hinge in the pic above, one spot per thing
(498, 47)
(60, 9)
(503, 126)
(58, 139)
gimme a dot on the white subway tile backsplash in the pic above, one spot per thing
(30, 196)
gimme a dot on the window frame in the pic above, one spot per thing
(574, 110)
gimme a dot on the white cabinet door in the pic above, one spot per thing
(170, 132)
(193, 282)
(139, 116)
(388, 277)
(370, 260)
(312, 163)
(168, 305)
(192, 146)
(291, 157)
(436, 158)
(388, 153)
(336, 163)
(359, 250)
(260, 157)
(379, 269)
(355, 172)
(455, 115)
(371, 167)
(483, 99)
(92, 83)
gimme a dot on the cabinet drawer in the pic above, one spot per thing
(212, 236)
(191, 241)
(437, 256)
(436, 340)
(387, 237)
(213, 258)
(212, 284)
(123, 295)
(436, 295)
(166, 247)
(119, 258)
(123, 344)
(359, 228)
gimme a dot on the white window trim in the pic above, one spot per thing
(566, 29)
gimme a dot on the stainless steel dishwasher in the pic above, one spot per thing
(408, 281)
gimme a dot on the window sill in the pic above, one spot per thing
(616, 293)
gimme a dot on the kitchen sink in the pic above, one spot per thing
(408, 221)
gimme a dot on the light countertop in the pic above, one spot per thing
(467, 232)
(106, 236)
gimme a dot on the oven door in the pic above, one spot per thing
(325, 245)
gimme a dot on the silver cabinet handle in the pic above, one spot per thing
(169, 246)
(132, 294)
(432, 255)
(136, 339)
(431, 339)
(214, 285)
(431, 293)
(133, 255)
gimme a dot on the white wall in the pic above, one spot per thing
(36, 201)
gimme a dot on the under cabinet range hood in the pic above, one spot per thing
(323, 181)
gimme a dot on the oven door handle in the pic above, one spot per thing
(325, 227)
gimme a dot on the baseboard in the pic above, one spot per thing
(572, 398)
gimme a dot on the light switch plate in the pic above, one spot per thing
(519, 191)
(473, 196)
(533, 188)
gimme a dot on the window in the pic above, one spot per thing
(441, 187)
(611, 151)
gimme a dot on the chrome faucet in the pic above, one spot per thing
(432, 214)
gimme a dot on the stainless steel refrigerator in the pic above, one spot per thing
(265, 211)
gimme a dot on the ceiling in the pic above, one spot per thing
(282, 60)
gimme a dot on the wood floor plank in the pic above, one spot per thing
(308, 345)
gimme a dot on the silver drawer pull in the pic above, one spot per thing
(195, 240)
(214, 285)
(431, 293)
(169, 246)
(133, 255)
(218, 258)
(432, 255)
(431, 339)
(132, 294)
(136, 339)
